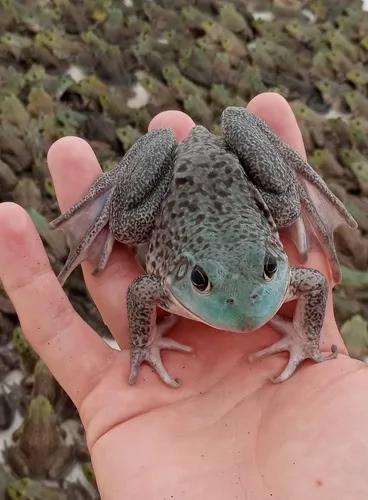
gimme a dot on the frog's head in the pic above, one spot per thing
(39, 411)
(238, 289)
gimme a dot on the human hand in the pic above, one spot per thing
(228, 432)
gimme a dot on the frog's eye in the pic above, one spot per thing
(200, 280)
(270, 267)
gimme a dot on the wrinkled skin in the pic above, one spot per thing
(228, 432)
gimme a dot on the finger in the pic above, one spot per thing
(277, 113)
(275, 110)
(180, 122)
(73, 351)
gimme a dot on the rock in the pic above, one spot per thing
(28, 194)
(55, 239)
(355, 335)
(7, 412)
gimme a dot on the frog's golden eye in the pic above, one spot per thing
(200, 280)
(270, 266)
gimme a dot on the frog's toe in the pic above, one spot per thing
(152, 356)
(299, 346)
(167, 343)
(297, 356)
(96, 244)
(279, 346)
(105, 253)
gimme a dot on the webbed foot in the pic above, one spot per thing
(151, 353)
(299, 346)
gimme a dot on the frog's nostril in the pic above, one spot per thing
(230, 301)
(254, 296)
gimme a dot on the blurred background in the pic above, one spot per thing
(100, 69)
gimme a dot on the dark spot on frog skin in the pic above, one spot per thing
(170, 205)
(184, 204)
(181, 181)
(319, 482)
(228, 182)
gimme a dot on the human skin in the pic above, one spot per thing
(228, 432)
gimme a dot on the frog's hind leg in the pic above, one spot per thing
(288, 184)
(93, 201)
(94, 245)
(146, 337)
(121, 204)
(298, 234)
(239, 119)
(301, 336)
(323, 231)
(105, 253)
(84, 226)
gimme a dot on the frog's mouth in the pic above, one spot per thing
(177, 307)
(182, 310)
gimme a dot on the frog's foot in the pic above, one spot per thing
(299, 346)
(95, 245)
(105, 253)
(152, 353)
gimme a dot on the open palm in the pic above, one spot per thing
(228, 432)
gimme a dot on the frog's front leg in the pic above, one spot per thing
(301, 336)
(146, 337)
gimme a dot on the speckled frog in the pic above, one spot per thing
(39, 449)
(206, 214)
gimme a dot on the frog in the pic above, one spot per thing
(205, 215)
(39, 448)
(31, 489)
